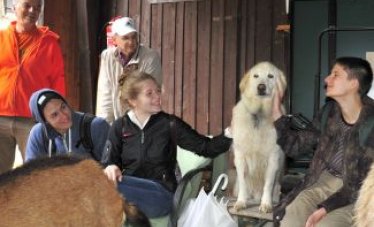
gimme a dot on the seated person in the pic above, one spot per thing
(141, 152)
(60, 131)
(326, 195)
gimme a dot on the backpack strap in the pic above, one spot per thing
(85, 137)
(85, 130)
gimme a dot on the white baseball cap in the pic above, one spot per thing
(123, 26)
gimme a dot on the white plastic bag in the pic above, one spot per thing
(206, 210)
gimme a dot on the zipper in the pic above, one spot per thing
(143, 152)
(142, 137)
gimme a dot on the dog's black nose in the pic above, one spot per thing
(261, 89)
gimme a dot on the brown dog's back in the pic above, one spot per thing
(60, 191)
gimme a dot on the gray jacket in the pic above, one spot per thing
(108, 104)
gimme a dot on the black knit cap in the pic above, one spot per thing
(45, 97)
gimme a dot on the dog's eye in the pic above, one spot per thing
(270, 76)
(255, 76)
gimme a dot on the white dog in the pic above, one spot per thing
(364, 207)
(258, 158)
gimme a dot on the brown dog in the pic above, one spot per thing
(62, 191)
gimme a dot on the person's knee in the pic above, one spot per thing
(335, 220)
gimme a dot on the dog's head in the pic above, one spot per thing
(262, 81)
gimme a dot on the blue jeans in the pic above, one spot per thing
(149, 196)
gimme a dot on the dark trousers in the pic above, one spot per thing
(149, 196)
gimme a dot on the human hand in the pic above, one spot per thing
(316, 217)
(113, 173)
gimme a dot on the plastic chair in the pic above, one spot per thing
(191, 167)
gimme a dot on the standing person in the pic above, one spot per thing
(61, 130)
(141, 152)
(342, 156)
(30, 59)
(117, 62)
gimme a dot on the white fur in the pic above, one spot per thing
(364, 208)
(258, 158)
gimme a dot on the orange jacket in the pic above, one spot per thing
(42, 68)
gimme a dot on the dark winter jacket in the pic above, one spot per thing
(356, 161)
(149, 153)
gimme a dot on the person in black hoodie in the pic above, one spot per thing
(141, 148)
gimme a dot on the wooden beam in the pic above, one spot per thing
(170, 1)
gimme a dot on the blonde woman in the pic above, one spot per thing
(141, 152)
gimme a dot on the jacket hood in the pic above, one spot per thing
(38, 100)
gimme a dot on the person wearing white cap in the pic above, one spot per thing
(117, 62)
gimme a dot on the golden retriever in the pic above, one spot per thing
(364, 207)
(63, 191)
(257, 157)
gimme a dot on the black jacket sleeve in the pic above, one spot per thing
(190, 139)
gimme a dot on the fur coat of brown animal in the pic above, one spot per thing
(62, 191)
(356, 163)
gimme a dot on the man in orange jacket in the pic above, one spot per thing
(30, 59)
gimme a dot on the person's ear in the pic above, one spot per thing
(356, 84)
(131, 102)
(114, 39)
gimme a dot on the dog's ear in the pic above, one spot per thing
(281, 81)
(281, 86)
(243, 82)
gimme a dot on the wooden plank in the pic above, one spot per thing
(93, 9)
(278, 39)
(135, 12)
(145, 23)
(264, 30)
(251, 211)
(168, 50)
(107, 10)
(189, 60)
(178, 94)
(230, 59)
(280, 43)
(251, 33)
(203, 65)
(156, 27)
(171, 1)
(55, 10)
(216, 81)
(242, 45)
(84, 56)
(122, 8)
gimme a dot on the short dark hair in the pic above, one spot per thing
(360, 69)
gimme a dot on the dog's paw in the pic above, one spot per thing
(265, 208)
(240, 205)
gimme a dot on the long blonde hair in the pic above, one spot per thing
(131, 88)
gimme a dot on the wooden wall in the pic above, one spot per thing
(205, 45)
